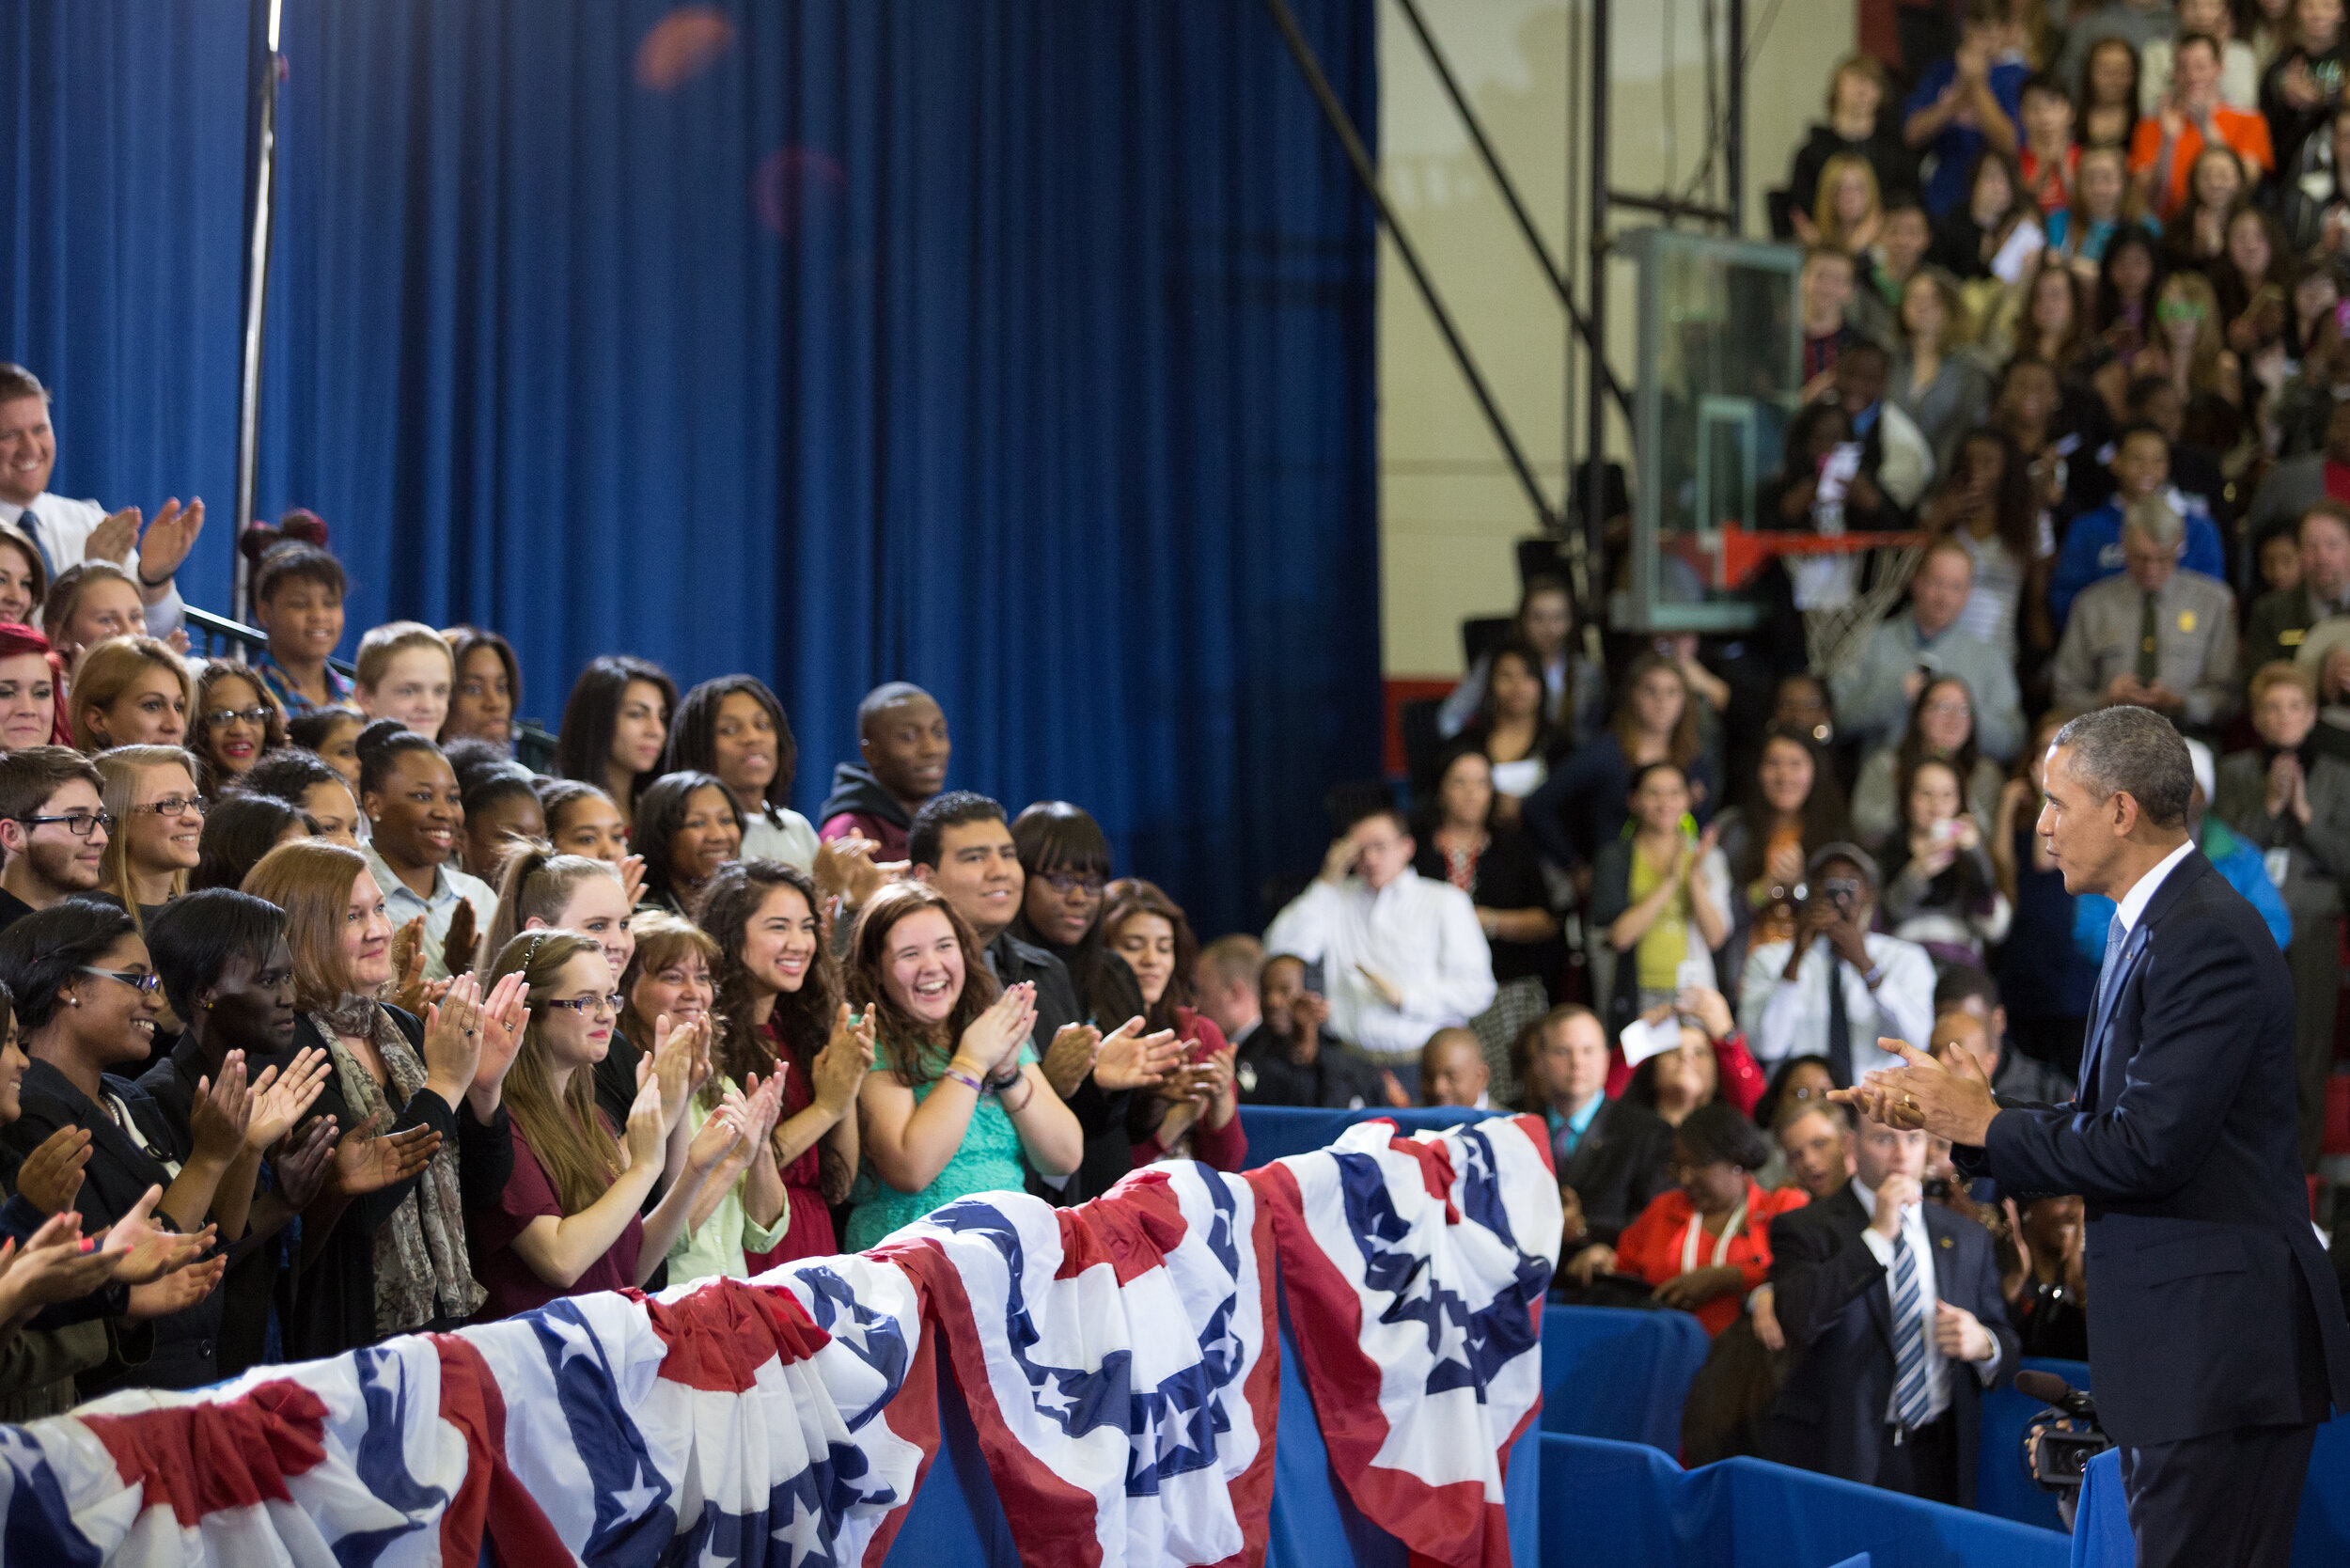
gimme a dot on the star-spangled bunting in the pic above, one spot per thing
(1120, 1361)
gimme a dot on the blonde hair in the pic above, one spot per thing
(566, 1133)
(105, 672)
(310, 879)
(121, 769)
(1831, 227)
(2210, 337)
(393, 637)
(536, 883)
(2281, 672)
(63, 599)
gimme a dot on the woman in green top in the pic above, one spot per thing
(956, 1103)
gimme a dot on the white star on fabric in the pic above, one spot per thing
(576, 1339)
(637, 1496)
(850, 1330)
(1053, 1399)
(804, 1532)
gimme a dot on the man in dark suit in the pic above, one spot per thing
(2218, 1337)
(1610, 1157)
(1892, 1307)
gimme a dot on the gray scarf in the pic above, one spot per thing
(421, 1271)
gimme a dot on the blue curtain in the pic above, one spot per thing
(1019, 348)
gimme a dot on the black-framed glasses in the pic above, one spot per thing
(1065, 882)
(585, 1005)
(144, 981)
(220, 718)
(172, 806)
(80, 823)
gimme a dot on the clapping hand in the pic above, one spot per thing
(409, 992)
(505, 1014)
(452, 1039)
(167, 540)
(301, 1165)
(51, 1177)
(53, 1266)
(223, 1110)
(457, 954)
(631, 879)
(840, 1067)
(367, 1161)
(278, 1100)
(995, 1036)
(1129, 1059)
(144, 1252)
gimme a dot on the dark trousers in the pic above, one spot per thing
(2314, 956)
(1924, 1464)
(2227, 1500)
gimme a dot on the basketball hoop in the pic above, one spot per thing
(1844, 583)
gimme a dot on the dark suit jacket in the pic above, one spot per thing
(1837, 1313)
(2274, 628)
(1618, 1167)
(2216, 1308)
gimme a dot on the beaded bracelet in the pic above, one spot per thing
(967, 1081)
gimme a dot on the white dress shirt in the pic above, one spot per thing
(2133, 905)
(1789, 1018)
(450, 886)
(1921, 1243)
(779, 834)
(65, 528)
(1419, 935)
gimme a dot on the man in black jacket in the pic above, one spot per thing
(2218, 1339)
(1892, 1308)
(1291, 1058)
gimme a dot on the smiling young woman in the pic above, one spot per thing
(687, 827)
(23, 578)
(88, 603)
(303, 780)
(416, 817)
(488, 688)
(151, 792)
(131, 690)
(734, 727)
(237, 721)
(615, 725)
(32, 691)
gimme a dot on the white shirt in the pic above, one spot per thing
(449, 886)
(2134, 902)
(1921, 1244)
(65, 528)
(1789, 1018)
(779, 835)
(1419, 935)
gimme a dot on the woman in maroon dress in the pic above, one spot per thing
(778, 992)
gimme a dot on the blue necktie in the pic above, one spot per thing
(1911, 1396)
(30, 525)
(2108, 976)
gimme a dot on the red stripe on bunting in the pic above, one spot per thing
(722, 1334)
(1452, 1525)
(199, 1459)
(1132, 1238)
(1252, 1489)
(490, 1500)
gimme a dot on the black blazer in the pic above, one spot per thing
(122, 1168)
(1834, 1304)
(2215, 1307)
(1617, 1167)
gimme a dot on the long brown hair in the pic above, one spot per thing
(803, 1018)
(310, 879)
(535, 883)
(1683, 749)
(1133, 896)
(917, 1050)
(566, 1133)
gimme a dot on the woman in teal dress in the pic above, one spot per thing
(956, 1103)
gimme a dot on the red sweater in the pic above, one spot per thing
(1742, 1081)
(1224, 1148)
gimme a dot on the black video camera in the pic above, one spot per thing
(2061, 1440)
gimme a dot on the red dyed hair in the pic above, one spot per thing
(16, 639)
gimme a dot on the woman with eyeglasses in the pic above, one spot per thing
(131, 690)
(542, 890)
(572, 1219)
(159, 825)
(88, 1000)
(383, 1246)
(1066, 860)
(237, 719)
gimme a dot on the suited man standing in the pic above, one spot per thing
(2218, 1342)
(1892, 1308)
(1610, 1157)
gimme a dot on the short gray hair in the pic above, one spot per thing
(2134, 751)
(2155, 520)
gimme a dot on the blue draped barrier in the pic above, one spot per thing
(2321, 1536)
(1276, 1132)
(1620, 1372)
(1626, 1503)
